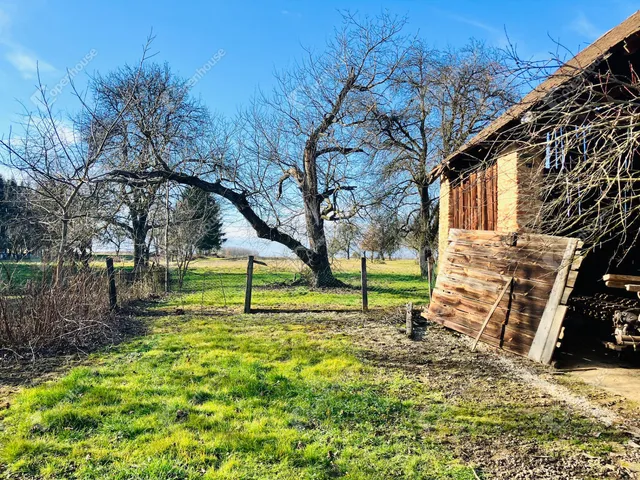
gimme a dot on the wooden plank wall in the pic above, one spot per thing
(477, 265)
(475, 200)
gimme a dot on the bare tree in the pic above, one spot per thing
(60, 161)
(195, 227)
(383, 235)
(113, 234)
(582, 143)
(439, 99)
(345, 239)
(299, 153)
(58, 168)
(155, 121)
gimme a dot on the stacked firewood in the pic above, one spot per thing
(626, 320)
(601, 306)
(627, 330)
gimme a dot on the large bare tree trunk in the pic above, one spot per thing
(139, 237)
(319, 265)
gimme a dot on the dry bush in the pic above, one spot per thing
(45, 318)
(141, 285)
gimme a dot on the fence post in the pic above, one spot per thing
(430, 276)
(247, 293)
(409, 320)
(113, 297)
(365, 298)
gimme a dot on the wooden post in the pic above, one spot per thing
(166, 242)
(111, 275)
(365, 298)
(409, 320)
(247, 293)
(430, 276)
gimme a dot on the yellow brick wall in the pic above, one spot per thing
(445, 216)
(518, 192)
(508, 192)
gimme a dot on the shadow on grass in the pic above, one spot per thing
(307, 308)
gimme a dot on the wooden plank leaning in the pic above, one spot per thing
(544, 342)
(493, 309)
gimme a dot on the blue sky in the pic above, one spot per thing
(255, 37)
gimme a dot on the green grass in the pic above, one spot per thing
(219, 282)
(272, 396)
(216, 282)
(18, 273)
(227, 398)
(256, 397)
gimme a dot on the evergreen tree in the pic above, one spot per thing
(201, 207)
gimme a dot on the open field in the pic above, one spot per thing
(18, 273)
(306, 395)
(218, 282)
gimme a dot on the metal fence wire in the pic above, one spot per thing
(280, 284)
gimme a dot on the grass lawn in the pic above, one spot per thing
(232, 397)
(18, 273)
(221, 282)
(295, 396)
(263, 396)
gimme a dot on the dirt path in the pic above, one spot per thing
(620, 381)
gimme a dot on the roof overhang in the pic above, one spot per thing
(627, 34)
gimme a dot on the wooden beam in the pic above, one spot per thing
(544, 343)
(612, 284)
(610, 277)
(493, 309)
(632, 288)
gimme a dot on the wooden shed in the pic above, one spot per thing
(511, 256)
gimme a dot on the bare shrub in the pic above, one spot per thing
(47, 317)
(139, 285)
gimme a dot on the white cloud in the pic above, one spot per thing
(27, 64)
(495, 35)
(584, 27)
(17, 55)
(474, 23)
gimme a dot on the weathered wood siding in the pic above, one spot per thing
(473, 272)
(475, 200)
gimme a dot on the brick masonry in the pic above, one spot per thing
(519, 201)
(446, 214)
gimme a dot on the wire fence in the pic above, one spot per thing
(283, 285)
(278, 284)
